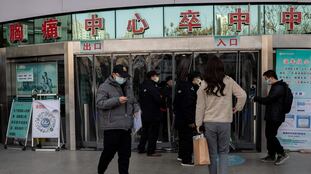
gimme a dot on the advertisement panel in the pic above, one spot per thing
(39, 77)
(294, 67)
(19, 122)
(46, 119)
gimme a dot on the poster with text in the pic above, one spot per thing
(294, 67)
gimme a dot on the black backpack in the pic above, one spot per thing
(288, 99)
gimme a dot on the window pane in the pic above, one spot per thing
(178, 20)
(100, 25)
(55, 29)
(140, 23)
(19, 33)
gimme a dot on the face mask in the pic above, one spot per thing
(197, 81)
(268, 82)
(156, 79)
(120, 80)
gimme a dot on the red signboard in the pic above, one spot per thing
(189, 20)
(17, 32)
(239, 18)
(291, 18)
(51, 29)
(133, 25)
(94, 24)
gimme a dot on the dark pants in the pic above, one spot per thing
(273, 145)
(116, 141)
(185, 144)
(150, 133)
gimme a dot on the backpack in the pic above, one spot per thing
(288, 100)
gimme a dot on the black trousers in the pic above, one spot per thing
(273, 145)
(185, 135)
(150, 133)
(116, 141)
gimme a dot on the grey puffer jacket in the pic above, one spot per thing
(111, 113)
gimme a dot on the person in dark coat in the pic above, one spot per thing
(150, 102)
(274, 116)
(184, 108)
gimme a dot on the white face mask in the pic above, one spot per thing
(197, 81)
(120, 80)
(156, 79)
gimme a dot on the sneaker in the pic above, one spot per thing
(187, 164)
(281, 159)
(268, 159)
(179, 159)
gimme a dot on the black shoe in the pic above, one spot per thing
(281, 159)
(268, 159)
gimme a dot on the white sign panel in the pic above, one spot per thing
(46, 119)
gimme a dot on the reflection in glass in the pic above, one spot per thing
(139, 70)
(183, 66)
(102, 68)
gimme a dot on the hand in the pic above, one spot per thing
(191, 125)
(122, 99)
(234, 110)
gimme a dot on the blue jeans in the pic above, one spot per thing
(218, 139)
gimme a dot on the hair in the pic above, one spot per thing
(270, 73)
(213, 75)
(193, 75)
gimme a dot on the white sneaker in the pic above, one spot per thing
(187, 164)
(179, 159)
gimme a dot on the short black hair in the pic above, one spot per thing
(270, 73)
(168, 78)
(151, 74)
(193, 75)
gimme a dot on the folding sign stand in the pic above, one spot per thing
(45, 124)
(19, 121)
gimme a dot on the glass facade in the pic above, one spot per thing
(166, 21)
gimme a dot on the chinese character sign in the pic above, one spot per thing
(226, 41)
(239, 18)
(294, 67)
(189, 20)
(91, 46)
(290, 18)
(51, 29)
(94, 24)
(138, 25)
(18, 32)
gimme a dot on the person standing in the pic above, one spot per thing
(215, 110)
(184, 108)
(150, 102)
(274, 116)
(116, 106)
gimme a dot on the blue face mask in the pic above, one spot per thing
(120, 80)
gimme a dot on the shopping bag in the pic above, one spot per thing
(137, 123)
(200, 149)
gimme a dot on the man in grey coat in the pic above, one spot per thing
(116, 106)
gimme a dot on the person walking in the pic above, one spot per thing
(274, 117)
(215, 110)
(116, 106)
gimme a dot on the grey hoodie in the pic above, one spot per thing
(111, 113)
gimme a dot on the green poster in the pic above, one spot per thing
(19, 119)
(39, 77)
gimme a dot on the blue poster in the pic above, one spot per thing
(294, 67)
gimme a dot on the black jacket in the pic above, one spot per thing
(150, 101)
(185, 103)
(274, 102)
